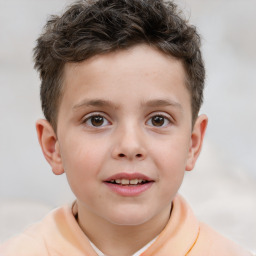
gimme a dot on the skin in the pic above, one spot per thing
(130, 90)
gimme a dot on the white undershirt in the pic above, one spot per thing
(144, 248)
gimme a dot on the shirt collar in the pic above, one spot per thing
(143, 249)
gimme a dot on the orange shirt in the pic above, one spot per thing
(58, 234)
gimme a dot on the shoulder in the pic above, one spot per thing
(22, 245)
(35, 240)
(212, 243)
(208, 242)
(185, 235)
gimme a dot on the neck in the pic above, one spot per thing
(116, 240)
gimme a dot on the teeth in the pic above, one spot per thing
(128, 182)
(134, 182)
(125, 182)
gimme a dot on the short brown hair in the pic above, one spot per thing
(92, 27)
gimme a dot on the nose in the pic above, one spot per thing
(129, 144)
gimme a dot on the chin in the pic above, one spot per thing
(128, 222)
(129, 218)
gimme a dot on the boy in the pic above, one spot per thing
(122, 85)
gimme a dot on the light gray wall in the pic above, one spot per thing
(225, 178)
(24, 172)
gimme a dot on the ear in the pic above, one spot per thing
(197, 137)
(49, 145)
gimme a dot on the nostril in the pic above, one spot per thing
(121, 155)
(139, 155)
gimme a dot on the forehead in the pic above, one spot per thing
(140, 69)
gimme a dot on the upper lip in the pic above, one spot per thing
(128, 176)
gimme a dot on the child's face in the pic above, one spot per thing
(125, 116)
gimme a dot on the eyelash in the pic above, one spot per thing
(88, 120)
(168, 119)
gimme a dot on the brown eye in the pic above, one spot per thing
(96, 121)
(158, 121)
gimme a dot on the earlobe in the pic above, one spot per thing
(197, 137)
(49, 145)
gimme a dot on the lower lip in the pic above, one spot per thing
(130, 190)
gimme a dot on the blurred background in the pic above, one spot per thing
(222, 187)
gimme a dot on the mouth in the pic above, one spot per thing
(127, 184)
(128, 179)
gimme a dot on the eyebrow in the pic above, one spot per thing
(94, 103)
(162, 103)
(106, 103)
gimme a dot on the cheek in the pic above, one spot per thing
(171, 156)
(82, 161)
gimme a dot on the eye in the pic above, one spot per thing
(96, 121)
(158, 121)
